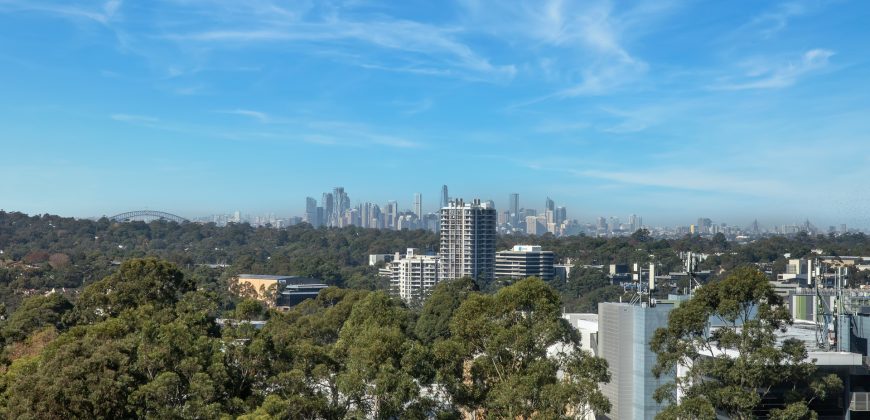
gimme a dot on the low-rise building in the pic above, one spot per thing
(276, 291)
(524, 261)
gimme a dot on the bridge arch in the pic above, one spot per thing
(147, 216)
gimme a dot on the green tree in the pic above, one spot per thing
(437, 311)
(150, 354)
(497, 357)
(137, 282)
(381, 358)
(34, 313)
(734, 383)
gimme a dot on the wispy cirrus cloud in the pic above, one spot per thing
(102, 13)
(776, 19)
(760, 73)
(579, 47)
(320, 132)
(256, 115)
(435, 46)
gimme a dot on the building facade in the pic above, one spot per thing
(276, 291)
(625, 331)
(468, 240)
(524, 261)
(413, 276)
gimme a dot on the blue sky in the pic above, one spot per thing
(669, 109)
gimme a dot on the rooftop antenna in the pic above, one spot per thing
(691, 260)
(641, 291)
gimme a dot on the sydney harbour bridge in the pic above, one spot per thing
(147, 216)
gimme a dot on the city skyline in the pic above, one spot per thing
(622, 218)
(674, 110)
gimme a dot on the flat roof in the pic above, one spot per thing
(290, 280)
(263, 276)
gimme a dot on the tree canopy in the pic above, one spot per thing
(733, 364)
(144, 342)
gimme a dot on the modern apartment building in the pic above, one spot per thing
(524, 261)
(468, 240)
(413, 276)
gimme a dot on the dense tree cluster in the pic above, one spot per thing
(144, 342)
(38, 253)
(44, 252)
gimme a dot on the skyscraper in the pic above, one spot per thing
(311, 211)
(467, 240)
(549, 205)
(341, 202)
(418, 205)
(444, 197)
(392, 216)
(561, 214)
(328, 203)
(515, 208)
(704, 225)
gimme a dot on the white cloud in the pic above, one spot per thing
(436, 46)
(580, 46)
(772, 22)
(257, 115)
(101, 15)
(761, 74)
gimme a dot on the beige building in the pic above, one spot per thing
(264, 288)
(413, 276)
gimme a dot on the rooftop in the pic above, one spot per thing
(263, 276)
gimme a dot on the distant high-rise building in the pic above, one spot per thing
(467, 240)
(328, 203)
(391, 218)
(561, 214)
(515, 207)
(533, 227)
(311, 211)
(524, 261)
(549, 205)
(704, 226)
(633, 224)
(418, 205)
(444, 197)
(504, 217)
(341, 204)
